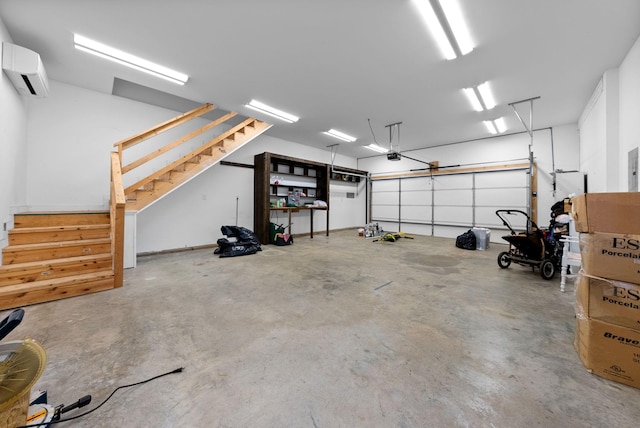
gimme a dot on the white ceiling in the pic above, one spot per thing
(338, 63)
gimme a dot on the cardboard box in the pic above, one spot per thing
(608, 350)
(610, 301)
(607, 212)
(611, 255)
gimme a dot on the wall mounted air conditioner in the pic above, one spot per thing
(25, 70)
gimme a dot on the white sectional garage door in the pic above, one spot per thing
(445, 204)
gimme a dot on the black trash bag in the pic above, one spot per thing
(245, 243)
(466, 241)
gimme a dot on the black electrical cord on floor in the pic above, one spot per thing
(178, 370)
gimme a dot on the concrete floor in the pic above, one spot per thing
(329, 332)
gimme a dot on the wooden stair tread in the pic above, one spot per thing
(47, 213)
(29, 272)
(43, 234)
(75, 279)
(59, 218)
(26, 230)
(17, 295)
(60, 244)
(53, 262)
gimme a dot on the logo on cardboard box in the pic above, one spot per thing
(622, 339)
(622, 243)
(612, 256)
(616, 368)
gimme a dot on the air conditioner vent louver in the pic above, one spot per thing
(25, 70)
(28, 83)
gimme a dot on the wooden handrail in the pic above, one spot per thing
(116, 209)
(178, 120)
(210, 144)
(176, 143)
(152, 160)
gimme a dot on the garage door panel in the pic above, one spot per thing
(385, 198)
(416, 197)
(384, 212)
(420, 183)
(463, 181)
(498, 179)
(503, 198)
(453, 215)
(460, 197)
(385, 186)
(416, 213)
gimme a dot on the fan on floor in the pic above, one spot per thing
(21, 364)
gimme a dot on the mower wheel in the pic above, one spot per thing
(504, 261)
(547, 269)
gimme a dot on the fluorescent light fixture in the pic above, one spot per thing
(459, 27)
(480, 97)
(496, 126)
(473, 99)
(486, 96)
(501, 126)
(107, 52)
(274, 112)
(376, 148)
(491, 127)
(446, 22)
(340, 135)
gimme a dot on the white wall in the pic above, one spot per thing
(72, 132)
(629, 79)
(13, 149)
(609, 126)
(599, 135)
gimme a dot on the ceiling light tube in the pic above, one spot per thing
(491, 127)
(474, 98)
(429, 15)
(376, 148)
(271, 111)
(447, 25)
(480, 97)
(340, 135)
(486, 96)
(107, 52)
(459, 27)
(496, 126)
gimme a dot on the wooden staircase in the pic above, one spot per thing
(56, 255)
(144, 192)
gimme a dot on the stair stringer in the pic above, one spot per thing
(223, 151)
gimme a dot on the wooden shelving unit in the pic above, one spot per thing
(347, 175)
(277, 175)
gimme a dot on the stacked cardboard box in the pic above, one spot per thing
(608, 292)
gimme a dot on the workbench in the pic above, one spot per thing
(310, 208)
